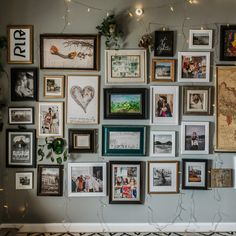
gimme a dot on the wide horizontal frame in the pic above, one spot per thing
(20, 109)
(200, 47)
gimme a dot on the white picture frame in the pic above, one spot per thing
(200, 39)
(24, 180)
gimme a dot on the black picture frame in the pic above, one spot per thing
(164, 43)
(19, 117)
(126, 103)
(24, 84)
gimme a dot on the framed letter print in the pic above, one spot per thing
(195, 138)
(87, 179)
(126, 66)
(20, 44)
(54, 86)
(126, 182)
(21, 115)
(164, 105)
(200, 39)
(24, 180)
(67, 51)
(194, 174)
(194, 67)
(82, 99)
(163, 177)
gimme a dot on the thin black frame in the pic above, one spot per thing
(15, 123)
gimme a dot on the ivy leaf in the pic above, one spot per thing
(40, 152)
(59, 160)
(49, 155)
(49, 146)
(52, 159)
(65, 156)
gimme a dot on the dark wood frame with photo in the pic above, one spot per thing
(20, 123)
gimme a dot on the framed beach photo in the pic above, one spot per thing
(126, 182)
(20, 115)
(50, 119)
(200, 39)
(54, 86)
(197, 100)
(123, 140)
(126, 66)
(70, 51)
(221, 178)
(125, 103)
(164, 105)
(20, 44)
(50, 180)
(195, 174)
(24, 84)
(194, 67)
(82, 99)
(87, 179)
(20, 148)
(163, 177)
(24, 180)
(163, 70)
(195, 138)
(162, 143)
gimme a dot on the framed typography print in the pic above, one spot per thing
(20, 146)
(125, 66)
(200, 39)
(126, 182)
(20, 44)
(82, 99)
(24, 180)
(21, 115)
(69, 51)
(221, 178)
(54, 86)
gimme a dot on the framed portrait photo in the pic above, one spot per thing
(163, 177)
(20, 44)
(87, 179)
(21, 115)
(195, 138)
(125, 66)
(82, 99)
(221, 178)
(24, 84)
(50, 180)
(54, 86)
(125, 103)
(195, 174)
(20, 148)
(200, 39)
(126, 182)
(197, 100)
(194, 67)
(164, 105)
(50, 119)
(123, 140)
(70, 51)
(24, 180)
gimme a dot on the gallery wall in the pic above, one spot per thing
(213, 205)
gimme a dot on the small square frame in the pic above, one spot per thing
(52, 93)
(21, 177)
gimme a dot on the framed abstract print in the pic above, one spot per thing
(21, 115)
(221, 178)
(24, 180)
(54, 86)
(200, 39)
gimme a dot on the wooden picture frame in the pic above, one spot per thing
(24, 180)
(221, 178)
(54, 86)
(200, 39)
(20, 115)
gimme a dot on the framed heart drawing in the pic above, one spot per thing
(82, 99)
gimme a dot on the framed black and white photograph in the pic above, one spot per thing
(200, 39)
(24, 84)
(24, 180)
(21, 115)
(54, 86)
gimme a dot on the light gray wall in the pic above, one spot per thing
(46, 16)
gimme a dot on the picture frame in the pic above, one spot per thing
(194, 67)
(125, 103)
(221, 178)
(50, 180)
(54, 86)
(70, 51)
(126, 182)
(123, 140)
(164, 43)
(163, 177)
(163, 70)
(200, 39)
(20, 148)
(125, 66)
(82, 140)
(24, 84)
(164, 105)
(20, 115)
(80, 173)
(20, 44)
(162, 143)
(195, 174)
(225, 119)
(24, 180)
(197, 100)
(50, 119)
(82, 99)
(195, 138)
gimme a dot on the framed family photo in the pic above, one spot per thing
(221, 178)
(200, 39)
(21, 115)
(82, 99)
(87, 179)
(70, 51)
(163, 177)
(54, 86)
(24, 180)
(126, 182)
(126, 66)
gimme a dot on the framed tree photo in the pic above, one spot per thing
(21, 115)
(54, 86)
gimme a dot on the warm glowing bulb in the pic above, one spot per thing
(68, 23)
(5, 206)
(108, 14)
(172, 8)
(88, 9)
(202, 28)
(67, 0)
(130, 14)
(139, 11)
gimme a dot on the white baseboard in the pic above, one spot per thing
(124, 227)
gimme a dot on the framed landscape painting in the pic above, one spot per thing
(200, 39)
(21, 115)
(54, 86)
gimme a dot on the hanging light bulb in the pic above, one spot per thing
(139, 11)
(130, 14)
(172, 8)
(88, 9)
